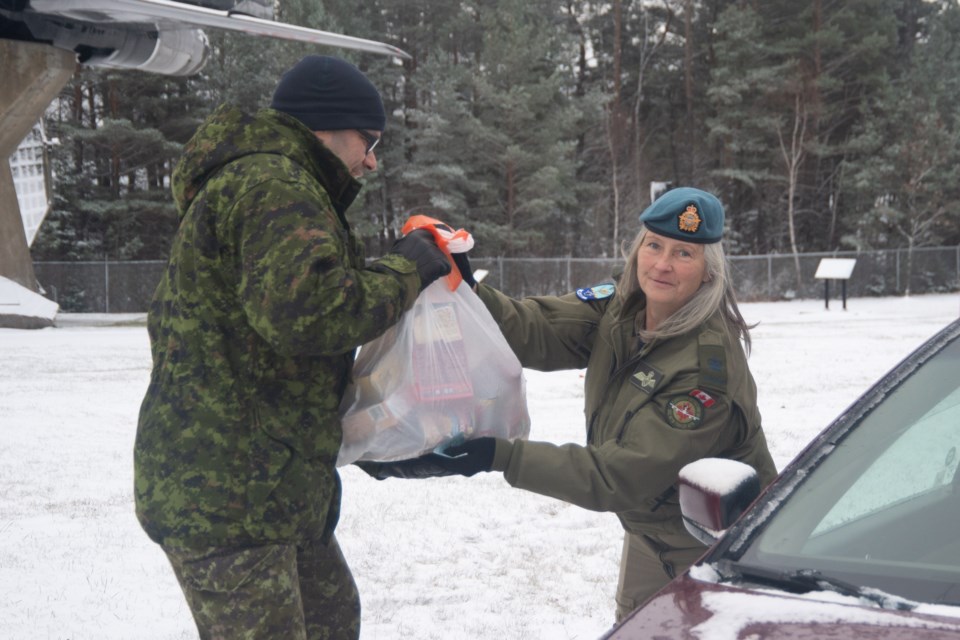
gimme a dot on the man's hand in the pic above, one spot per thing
(413, 469)
(420, 247)
(466, 459)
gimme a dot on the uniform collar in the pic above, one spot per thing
(329, 170)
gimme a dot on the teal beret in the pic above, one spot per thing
(687, 214)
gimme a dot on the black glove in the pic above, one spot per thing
(471, 457)
(420, 247)
(463, 264)
(466, 459)
(413, 469)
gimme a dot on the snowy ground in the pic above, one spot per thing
(438, 559)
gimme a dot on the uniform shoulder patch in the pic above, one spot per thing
(713, 362)
(597, 292)
(684, 412)
(713, 368)
(705, 398)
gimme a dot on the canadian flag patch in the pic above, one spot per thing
(705, 398)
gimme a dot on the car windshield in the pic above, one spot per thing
(882, 510)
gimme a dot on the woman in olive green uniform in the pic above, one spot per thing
(667, 383)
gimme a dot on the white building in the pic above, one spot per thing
(27, 166)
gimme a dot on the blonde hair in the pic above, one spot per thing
(714, 294)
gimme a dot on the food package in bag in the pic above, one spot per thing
(443, 373)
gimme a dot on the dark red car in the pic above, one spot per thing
(859, 537)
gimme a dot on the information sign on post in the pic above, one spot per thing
(835, 269)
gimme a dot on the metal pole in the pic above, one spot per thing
(898, 270)
(770, 276)
(106, 287)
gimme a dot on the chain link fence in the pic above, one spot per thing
(126, 287)
(100, 287)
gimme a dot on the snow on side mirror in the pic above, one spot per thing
(713, 494)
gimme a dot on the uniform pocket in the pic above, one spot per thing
(268, 464)
(298, 404)
(230, 572)
(288, 495)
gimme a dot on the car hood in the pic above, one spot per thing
(691, 609)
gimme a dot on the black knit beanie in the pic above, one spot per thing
(329, 94)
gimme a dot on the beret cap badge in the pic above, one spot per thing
(689, 219)
(685, 213)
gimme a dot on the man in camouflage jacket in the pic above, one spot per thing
(253, 330)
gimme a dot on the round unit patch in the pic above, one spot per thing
(683, 412)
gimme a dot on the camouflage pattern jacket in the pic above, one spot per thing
(650, 408)
(253, 330)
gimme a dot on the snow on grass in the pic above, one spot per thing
(442, 558)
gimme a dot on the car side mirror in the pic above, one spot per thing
(713, 494)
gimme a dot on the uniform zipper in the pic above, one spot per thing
(617, 372)
(627, 417)
(625, 368)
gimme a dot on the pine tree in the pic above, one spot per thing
(907, 167)
(481, 129)
(117, 133)
(789, 85)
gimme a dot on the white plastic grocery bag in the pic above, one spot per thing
(443, 374)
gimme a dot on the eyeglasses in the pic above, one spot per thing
(370, 139)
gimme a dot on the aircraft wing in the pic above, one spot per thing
(170, 14)
(156, 36)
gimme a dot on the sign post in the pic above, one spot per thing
(834, 269)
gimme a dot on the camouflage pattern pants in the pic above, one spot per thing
(274, 591)
(648, 563)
